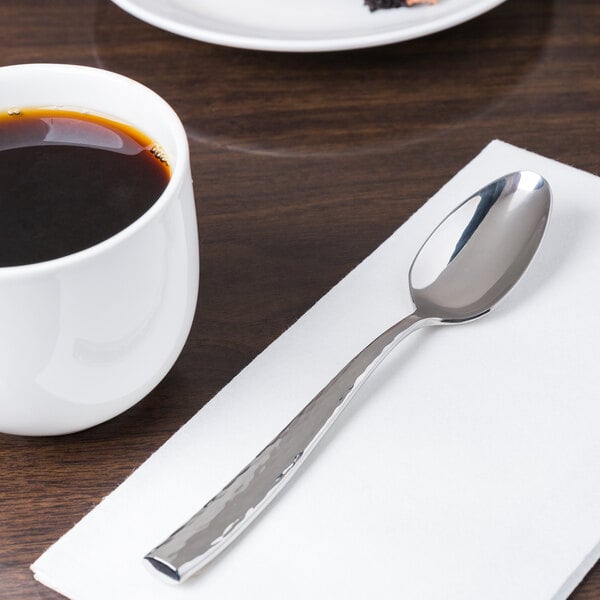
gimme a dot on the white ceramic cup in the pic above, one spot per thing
(85, 336)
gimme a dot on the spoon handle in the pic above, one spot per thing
(224, 517)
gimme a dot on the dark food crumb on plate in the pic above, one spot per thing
(376, 4)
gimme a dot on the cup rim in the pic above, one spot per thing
(176, 179)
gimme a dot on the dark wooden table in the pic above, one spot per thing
(303, 164)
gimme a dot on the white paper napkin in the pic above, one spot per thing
(467, 467)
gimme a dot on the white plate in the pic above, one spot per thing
(301, 25)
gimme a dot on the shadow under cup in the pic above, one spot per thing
(85, 336)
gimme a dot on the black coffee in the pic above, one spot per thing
(69, 180)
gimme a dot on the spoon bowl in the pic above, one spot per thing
(464, 268)
(481, 249)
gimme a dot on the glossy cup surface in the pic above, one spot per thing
(86, 336)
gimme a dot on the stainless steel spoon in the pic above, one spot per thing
(469, 262)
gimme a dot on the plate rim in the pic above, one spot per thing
(317, 44)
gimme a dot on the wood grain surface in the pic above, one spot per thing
(303, 164)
